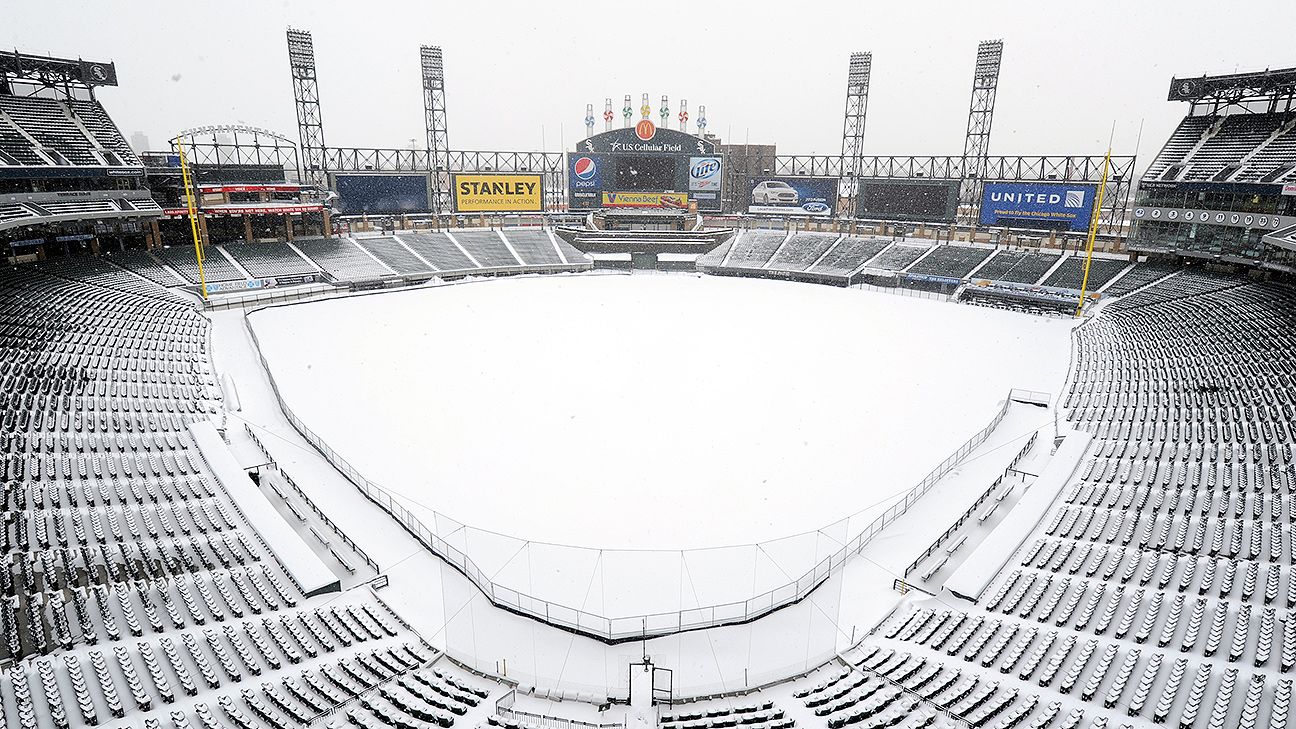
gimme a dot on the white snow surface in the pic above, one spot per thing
(650, 412)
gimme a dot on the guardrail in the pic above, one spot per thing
(620, 629)
(504, 709)
(310, 502)
(968, 513)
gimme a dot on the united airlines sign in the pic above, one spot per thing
(1051, 205)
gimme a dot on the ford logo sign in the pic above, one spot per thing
(815, 207)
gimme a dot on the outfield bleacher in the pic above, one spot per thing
(950, 261)
(1070, 273)
(802, 250)
(184, 261)
(268, 260)
(753, 248)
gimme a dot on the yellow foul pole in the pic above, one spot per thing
(1093, 232)
(192, 207)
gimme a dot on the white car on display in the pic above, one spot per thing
(774, 192)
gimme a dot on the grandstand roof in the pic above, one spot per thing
(52, 71)
(1235, 87)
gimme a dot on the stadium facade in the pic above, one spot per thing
(1223, 187)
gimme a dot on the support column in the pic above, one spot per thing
(288, 224)
(328, 225)
(247, 228)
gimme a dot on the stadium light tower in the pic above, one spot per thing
(434, 118)
(310, 125)
(976, 147)
(857, 87)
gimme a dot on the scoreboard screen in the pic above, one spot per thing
(931, 201)
(646, 174)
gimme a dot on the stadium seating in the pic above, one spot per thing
(49, 122)
(849, 254)
(897, 257)
(1240, 147)
(343, 259)
(127, 556)
(753, 248)
(394, 255)
(950, 261)
(1237, 136)
(1184, 138)
(486, 247)
(15, 148)
(1070, 273)
(1279, 154)
(802, 250)
(105, 132)
(1137, 277)
(534, 247)
(1156, 589)
(144, 264)
(269, 260)
(439, 250)
(1024, 267)
(184, 261)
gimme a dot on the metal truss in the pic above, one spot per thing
(1049, 168)
(310, 125)
(434, 119)
(857, 86)
(550, 164)
(228, 149)
(47, 72)
(976, 145)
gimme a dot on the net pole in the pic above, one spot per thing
(192, 209)
(1093, 233)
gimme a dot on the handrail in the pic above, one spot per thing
(617, 629)
(310, 502)
(1030, 442)
(504, 709)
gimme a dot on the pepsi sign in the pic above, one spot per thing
(585, 168)
(585, 179)
(704, 173)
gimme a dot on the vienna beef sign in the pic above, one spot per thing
(498, 193)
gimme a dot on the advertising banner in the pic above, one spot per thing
(497, 192)
(816, 196)
(704, 174)
(585, 180)
(676, 200)
(1062, 205)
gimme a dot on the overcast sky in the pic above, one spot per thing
(519, 74)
